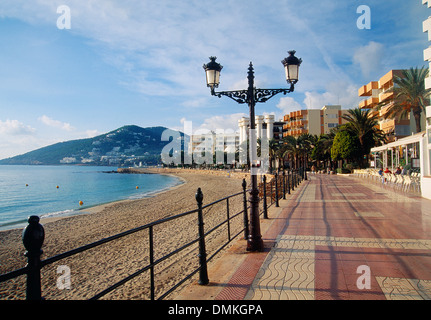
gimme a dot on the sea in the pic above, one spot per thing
(57, 191)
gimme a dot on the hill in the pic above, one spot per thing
(127, 145)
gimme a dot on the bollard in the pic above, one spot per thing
(284, 185)
(244, 186)
(203, 271)
(276, 190)
(265, 205)
(33, 237)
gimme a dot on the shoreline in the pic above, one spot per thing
(95, 270)
(98, 207)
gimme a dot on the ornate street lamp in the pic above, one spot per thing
(251, 96)
(291, 67)
(212, 70)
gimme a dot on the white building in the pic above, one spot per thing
(265, 122)
(425, 143)
(214, 143)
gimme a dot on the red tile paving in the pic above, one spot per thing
(344, 223)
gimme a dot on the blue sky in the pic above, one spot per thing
(140, 62)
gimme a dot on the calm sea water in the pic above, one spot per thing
(32, 190)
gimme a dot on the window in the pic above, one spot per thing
(332, 125)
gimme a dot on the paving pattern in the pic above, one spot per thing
(345, 239)
(288, 272)
(338, 238)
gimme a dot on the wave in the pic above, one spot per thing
(58, 213)
(153, 193)
(18, 223)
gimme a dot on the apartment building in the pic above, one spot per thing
(377, 92)
(425, 143)
(313, 121)
(213, 142)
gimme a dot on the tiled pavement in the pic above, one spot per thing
(335, 237)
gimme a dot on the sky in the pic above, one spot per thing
(139, 62)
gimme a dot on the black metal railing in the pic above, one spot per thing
(33, 238)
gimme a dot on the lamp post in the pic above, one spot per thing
(251, 96)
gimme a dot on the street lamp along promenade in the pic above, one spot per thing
(251, 96)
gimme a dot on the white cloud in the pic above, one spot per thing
(288, 104)
(225, 122)
(370, 58)
(55, 123)
(92, 133)
(15, 127)
(337, 93)
(195, 103)
(15, 138)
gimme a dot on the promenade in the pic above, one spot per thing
(334, 238)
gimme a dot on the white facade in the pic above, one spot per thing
(214, 143)
(260, 121)
(425, 145)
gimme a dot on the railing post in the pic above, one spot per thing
(265, 205)
(203, 271)
(284, 185)
(244, 186)
(151, 245)
(292, 187)
(228, 218)
(272, 191)
(33, 237)
(288, 182)
(276, 190)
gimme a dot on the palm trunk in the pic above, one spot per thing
(417, 116)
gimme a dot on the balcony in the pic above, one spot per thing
(367, 90)
(386, 95)
(369, 103)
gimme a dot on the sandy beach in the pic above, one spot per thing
(96, 269)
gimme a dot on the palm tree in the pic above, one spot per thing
(290, 150)
(410, 95)
(297, 149)
(322, 149)
(273, 147)
(365, 126)
(307, 142)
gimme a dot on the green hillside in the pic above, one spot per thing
(127, 145)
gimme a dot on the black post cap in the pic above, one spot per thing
(33, 235)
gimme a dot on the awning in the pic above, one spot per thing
(401, 142)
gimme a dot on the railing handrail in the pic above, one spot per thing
(111, 238)
(37, 264)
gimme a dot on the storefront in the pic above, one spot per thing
(404, 153)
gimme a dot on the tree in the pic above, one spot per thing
(322, 148)
(345, 146)
(273, 148)
(410, 95)
(298, 149)
(290, 150)
(365, 126)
